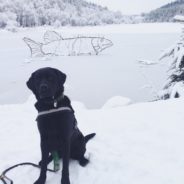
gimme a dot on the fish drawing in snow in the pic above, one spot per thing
(55, 45)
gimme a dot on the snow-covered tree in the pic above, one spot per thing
(174, 87)
(28, 13)
(166, 12)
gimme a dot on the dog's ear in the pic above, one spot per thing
(30, 83)
(61, 76)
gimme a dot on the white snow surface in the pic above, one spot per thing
(141, 28)
(136, 144)
(91, 79)
(179, 18)
(117, 101)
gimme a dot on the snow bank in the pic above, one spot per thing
(179, 18)
(78, 105)
(137, 144)
(117, 101)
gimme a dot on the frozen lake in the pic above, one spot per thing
(91, 79)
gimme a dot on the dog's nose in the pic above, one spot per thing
(43, 88)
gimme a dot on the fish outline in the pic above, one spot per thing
(55, 45)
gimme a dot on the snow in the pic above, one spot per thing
(167, 52)
(147, 62)
(177, 88)
(179, 18)
(91, 80)
(117, 101)
(138, 144)
(140, 28)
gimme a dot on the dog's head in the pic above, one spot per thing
(46, 83)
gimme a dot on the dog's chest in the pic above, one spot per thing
(56, 126)
(52, 131)
(52, 124)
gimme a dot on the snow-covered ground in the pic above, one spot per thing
(91, 79)
(135, 144)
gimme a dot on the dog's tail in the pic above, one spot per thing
(35, 47)
(88, 137)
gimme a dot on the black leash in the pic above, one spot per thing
(3, 176)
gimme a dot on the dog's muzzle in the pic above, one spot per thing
(44, 91)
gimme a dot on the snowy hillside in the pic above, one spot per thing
(26, 13)
(135, 144)
(166, 13)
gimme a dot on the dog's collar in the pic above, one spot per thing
(58, 99)
(54, 110)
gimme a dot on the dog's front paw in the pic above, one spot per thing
(65, 180)
(83, 162)
(40, 181)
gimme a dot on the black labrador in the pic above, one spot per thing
(56, 122)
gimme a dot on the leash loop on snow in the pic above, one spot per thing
(3, 176)
(2, 179)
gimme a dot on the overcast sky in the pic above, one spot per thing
(132, 6)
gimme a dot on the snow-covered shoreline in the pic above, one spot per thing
(139, 143)
(140, 28)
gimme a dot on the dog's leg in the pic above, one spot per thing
(66, 156)
(44, 161)
(50, 158)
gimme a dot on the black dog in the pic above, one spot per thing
(56, 122)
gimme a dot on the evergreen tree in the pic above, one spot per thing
(166, 13)
(174, 87)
